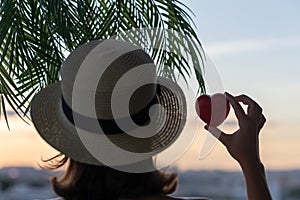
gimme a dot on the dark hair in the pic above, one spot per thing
(84, 181)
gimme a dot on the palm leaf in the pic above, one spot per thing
(35, 36)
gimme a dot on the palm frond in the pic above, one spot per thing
(35, 36)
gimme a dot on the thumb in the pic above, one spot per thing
(217, 133)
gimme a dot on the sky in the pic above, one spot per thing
(255, 47)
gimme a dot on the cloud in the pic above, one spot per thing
(231, 123)
(251, 44)
(9, 113)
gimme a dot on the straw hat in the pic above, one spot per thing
(105, 86)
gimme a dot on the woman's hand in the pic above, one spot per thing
(243, 144)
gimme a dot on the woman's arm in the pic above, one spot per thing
(257, 187)
(243, 145)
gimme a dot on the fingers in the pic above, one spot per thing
(254, 110)
(261, 122)
(220, 135)
(238, 110)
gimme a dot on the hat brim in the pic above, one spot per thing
(54, 127)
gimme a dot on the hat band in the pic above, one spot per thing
(109, 126)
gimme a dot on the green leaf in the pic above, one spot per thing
(35, 36)
(4, 111)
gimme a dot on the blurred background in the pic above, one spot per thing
(255, 47)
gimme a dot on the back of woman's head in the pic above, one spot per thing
(83, 181)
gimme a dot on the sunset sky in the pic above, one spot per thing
(255, 47)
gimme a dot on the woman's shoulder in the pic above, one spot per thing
(163, 197)
(193, 198)
(156, 197)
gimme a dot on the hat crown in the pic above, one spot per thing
(108, 62)
(103, 70)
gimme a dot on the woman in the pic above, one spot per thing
(110, 114)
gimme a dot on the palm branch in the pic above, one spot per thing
(36, 35)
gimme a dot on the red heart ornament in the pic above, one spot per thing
(214, 109)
